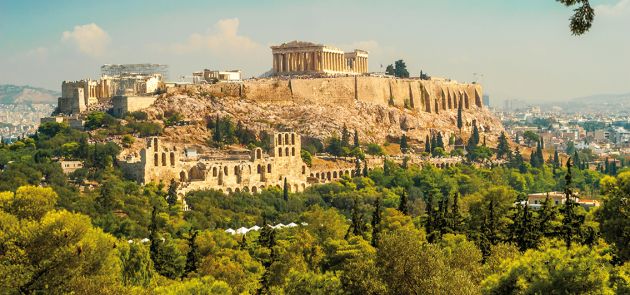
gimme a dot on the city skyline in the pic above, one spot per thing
(518, 50)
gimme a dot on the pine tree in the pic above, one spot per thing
(433, 142)
(526, 237)
(429, 224)
(376, 221)
(503, 147)
(356, 139)
(427, 145)
(556, 159)
(546, 215)
(403, 144)
(285, 190)
(357, 167)
(402, 205)
(405, 163)
(171, 195)
(460, 121)
(192, 258)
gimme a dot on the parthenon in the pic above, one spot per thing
(298, 57)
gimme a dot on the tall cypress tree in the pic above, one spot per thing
(439, 140)
(358, 226)
(402, 205)
(571, 222)
(556, 159)
(460, 121)
(345, 136)
(376, 221)
(365, 169)
(154, 248)
(503, 147)
(455, 216)
(216, 135)
(427, 145)
(171, 195)
(433, 142)
(356, 139)
(403, 144)
(285, 190)
(192, 258)
(429, 224)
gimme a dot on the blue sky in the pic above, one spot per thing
(522, 47)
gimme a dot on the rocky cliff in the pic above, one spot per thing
(375, 122)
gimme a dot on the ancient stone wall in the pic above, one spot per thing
(124, 104)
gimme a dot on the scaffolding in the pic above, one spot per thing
(113, 70)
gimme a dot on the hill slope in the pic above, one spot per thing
(13, 94)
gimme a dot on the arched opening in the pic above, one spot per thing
(303, 169)
(279, 152)
(328, 175)
(237, 190)
(279, 139)
(172, 159)
(246, 189)
(303, 187)
(268, 168)
(286, 139)
(254, 189)
(293, 138)
(296, 188)
(163, 159)
(292, 151)
(225, 170)
(258, 153)
(286, 150)
(182, 176)
(229, 190)
(334, 174)
(155, 144)
(258, 169)
(156, 160)
(214, 171)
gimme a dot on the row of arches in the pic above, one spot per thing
(156, 159)
(287, 152)
(256, 189)
(331, 175)
(285, 139)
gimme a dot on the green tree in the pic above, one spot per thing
(389, 70)
(356, 139)
(171, 195)
(552, 270)
(192, 258)
(572, 220)
(403, 207)
(376, 221)
(582, 18)
(404, 147)
(285, 190)
(345, 136)
(503, 147)
(460, 120)
(136, 264)
(614, 214)
(400, 70)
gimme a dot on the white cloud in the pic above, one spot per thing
(618, 8)
(39, 52)
(222, 38)
(90, 39)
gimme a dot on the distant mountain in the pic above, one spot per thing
(599, 103)
(13, 94)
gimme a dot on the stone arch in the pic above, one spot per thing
(163, 159)
(225, 170)
(296, 188)
(279, 139)
(156, 160)
(268, 168)
(317, 175)
(237, 190)
(280, 152)
(303, 187)
(214, 171)
(286, 152)
(258, 153)
(155, 144)
(293, 138)
(229, 191)
(303, 169)
(172, 159)
(254, 189)
(261, 188)
(328, 175)
(286, 138)
(182, 176)
(258, 169)
(334, 174)
(246, 189)
(292, 151)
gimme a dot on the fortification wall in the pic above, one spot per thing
(422, 95)
(329, 90)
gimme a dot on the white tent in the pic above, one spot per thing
(304, 224)
(292, 224)
(255, 227)
(242, 230)
(230, 231)
(279, 225)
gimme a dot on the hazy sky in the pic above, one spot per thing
(523, 48)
